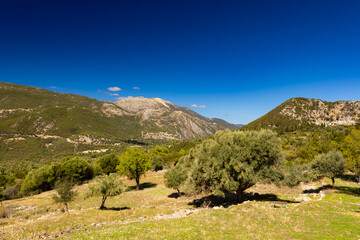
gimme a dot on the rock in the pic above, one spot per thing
(140, 219)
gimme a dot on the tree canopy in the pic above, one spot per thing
(174, 178)
(76, 169)
(329, 165)
(233, 161)
(107, 186)
(65, 194)
(108, 163)
(351, 150)
(158, 157)
(134, 162)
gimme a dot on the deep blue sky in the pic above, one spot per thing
(238, 58)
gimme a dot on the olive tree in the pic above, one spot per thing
(234, 161)
(106, 186)
(134, 163)
(65, 194)
(174, 178)
(329, 165)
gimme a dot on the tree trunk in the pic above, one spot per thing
(333, 182)
(103, 202)
(240, 195)
(178, 191)
(66, 207)
(137, 184)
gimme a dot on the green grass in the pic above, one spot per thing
(336, 216)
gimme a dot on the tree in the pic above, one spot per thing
(76, 169)
(329, 165)
(233, 161)
(108, 163)
(41, 179)
(158, 157)
(64, 193)
(297, 173)
(134, 163)
(351, 150)
(107, 186)
(174, 178)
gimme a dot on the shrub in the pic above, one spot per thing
(4, 212)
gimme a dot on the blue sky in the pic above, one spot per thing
(240, 59)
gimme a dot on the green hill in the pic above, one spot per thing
(302, 114)
(37, 124)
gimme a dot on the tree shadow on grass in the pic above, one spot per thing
(232, 199)
(348, 177)
(176, 195)
(142, 186)
(115, 208)
(355, 191)
(317, 190)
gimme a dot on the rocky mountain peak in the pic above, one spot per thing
(303, 114)
(138, 104)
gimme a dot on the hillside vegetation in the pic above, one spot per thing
(48, 125)
(303, 114)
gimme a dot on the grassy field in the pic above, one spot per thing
(152, 214)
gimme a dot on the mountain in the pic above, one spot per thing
(28, 110)
(37, 125)
(181, 122)
(305, 114)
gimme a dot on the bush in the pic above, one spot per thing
(12, 192)
(4, 212)
(298, 173)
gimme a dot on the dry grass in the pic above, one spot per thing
(334, 217)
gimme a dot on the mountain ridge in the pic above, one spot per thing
(308, 114)
(35, 111)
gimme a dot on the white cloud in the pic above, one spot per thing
(119, 98)
(136, 88)
(114, 89)
(53, 87)
(198, 106)
(113, 94)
